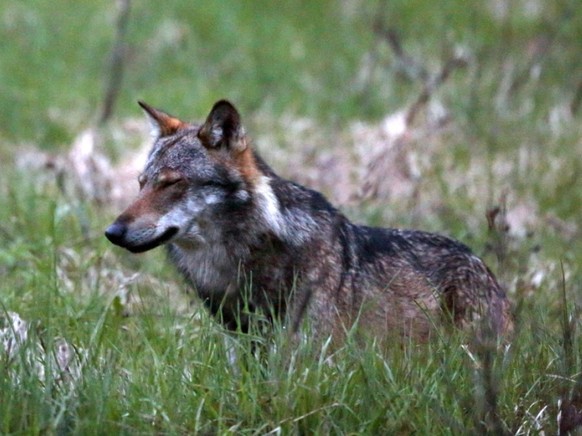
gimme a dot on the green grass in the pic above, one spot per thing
(165, 369)
(145, 360)
(160, 370)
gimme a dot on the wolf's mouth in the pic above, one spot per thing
(164, 237)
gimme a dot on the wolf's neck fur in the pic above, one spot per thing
(269, 207)
(215, 266)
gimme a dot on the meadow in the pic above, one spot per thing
(462, 118)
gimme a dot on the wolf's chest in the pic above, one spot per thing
(211, 269)
(215, 270)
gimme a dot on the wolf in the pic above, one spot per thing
(251, 242)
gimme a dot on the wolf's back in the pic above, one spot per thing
(415, 274)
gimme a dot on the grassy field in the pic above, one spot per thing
(422, 114)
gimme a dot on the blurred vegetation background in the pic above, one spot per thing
(462, 117)
(325, 59)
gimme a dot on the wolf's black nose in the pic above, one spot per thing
(115, 232)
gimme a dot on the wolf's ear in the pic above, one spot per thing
(161, 123)
(223, 128)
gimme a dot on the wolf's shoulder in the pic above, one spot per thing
(296, 198)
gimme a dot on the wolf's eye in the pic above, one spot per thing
(211, 183)
(166, 183)
(165, 180)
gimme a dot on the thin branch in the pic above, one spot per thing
(577, 99)
(431, 86)
(118, 52)
(411, 68)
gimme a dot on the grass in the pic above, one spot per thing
(107, 352)
(160, 370)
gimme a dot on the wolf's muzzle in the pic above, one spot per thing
(117, 233)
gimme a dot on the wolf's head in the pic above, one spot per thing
(198, 181)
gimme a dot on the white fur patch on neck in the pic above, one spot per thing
(269, 206)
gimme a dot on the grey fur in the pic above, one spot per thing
(246, 238)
